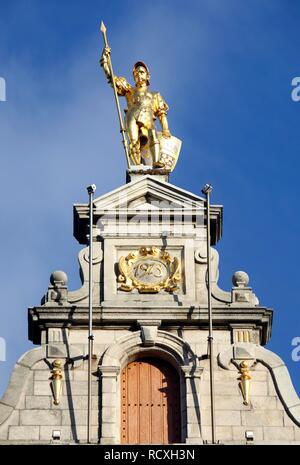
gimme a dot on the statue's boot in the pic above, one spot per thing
(135, 153)
(155, 147)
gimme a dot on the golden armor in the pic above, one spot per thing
(144, 107)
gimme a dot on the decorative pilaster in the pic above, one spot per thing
(192, 377)
(110, 431)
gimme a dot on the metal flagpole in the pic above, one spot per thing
(122, 129)
(207, 190)
(91, 189)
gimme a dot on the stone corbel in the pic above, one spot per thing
(232, 357)
(191, 372)
(58, 347)
(149, 330)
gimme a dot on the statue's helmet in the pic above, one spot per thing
(141, 63)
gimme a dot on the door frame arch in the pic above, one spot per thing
(168, 347)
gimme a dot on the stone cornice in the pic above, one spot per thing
(43, 317)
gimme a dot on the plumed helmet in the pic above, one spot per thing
(141, 63)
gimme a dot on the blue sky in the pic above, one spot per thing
(225, 68)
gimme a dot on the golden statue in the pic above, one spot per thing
(147, 146)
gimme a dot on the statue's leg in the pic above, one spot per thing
(134, 147)
(143, 135)
(156, 148)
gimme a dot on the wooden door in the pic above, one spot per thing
(150, 403)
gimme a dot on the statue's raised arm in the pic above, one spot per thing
(104, 62)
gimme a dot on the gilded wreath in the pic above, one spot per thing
(149, 270)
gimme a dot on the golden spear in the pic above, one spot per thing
(122, 129)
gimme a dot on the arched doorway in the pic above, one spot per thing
(150, 403)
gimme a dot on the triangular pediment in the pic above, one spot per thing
(148, 193)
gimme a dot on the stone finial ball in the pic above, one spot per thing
(240, 279)
(59, 277)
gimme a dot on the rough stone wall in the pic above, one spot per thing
(29, 401)
(265, 415)
(36, 416)
(30, 415)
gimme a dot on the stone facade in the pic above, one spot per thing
(169, 325)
